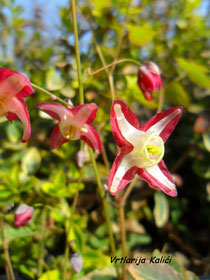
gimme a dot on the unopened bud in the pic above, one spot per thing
(149, 79)
(81, 158)
(23, 215)
(53, 97)
(77, 262)
(89, 71)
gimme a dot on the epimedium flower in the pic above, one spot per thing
(142, 148)
(23, 215)
(14, 87)
(149, 79)
(73, 124)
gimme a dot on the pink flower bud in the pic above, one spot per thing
(81, 158)
(53, 97)
(149, 79)
(23, 215)
(77, 262)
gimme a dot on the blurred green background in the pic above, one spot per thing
(38, 41)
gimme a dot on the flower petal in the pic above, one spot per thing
(91, 137)
(122, 172)
(163, 123)
(13, 83)
(124, 123)
(159, 177)
(55, 110)
(57, 138)
(11, 116)
(85, 113)
(18, 107)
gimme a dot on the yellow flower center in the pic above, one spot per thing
(150, 152)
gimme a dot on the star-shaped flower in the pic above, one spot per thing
(14, 87)
(73, 124)
(142, 148)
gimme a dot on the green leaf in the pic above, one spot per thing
(191, 65)
(99, 5)
(176, 94)
(20, 232)
(77, 234)
(140, 35)
(199, 79)
(13, 132)
(31, 161)
(156, 271)
(195, 72)
(206, 140)
(161, 209)
(53, 80)
(51, 275)
(60, 178)
(95, 259)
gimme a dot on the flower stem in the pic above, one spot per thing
(161, 101)
(50, 94)
(42, 243)
(5, 242)
(123, 237)
(105, 206)
(98, 180)
(128, 190)
(74, 19)
(110, 65)
(67, 249)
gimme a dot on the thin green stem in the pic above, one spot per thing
(42, 242)
(5, 242)
(128, 190)
(105, 206)
(67, 248)
(123, 237)
(110, 65)
(50, 94)
(161, 101)
(74, 19)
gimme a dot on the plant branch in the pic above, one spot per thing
(74, 19)
(123, 236)
(51, 94)
(8, 265)
(42, 242)
(110, 65)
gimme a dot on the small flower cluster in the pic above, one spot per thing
(141, 147)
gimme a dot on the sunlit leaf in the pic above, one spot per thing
(140, 35)
(156, 271)
(31, 161)
(51, 274)
(177, 95)
(206, 140)
(53, 80)
(161, 209)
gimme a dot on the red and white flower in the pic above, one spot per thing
(142, 148)
(149, 79)
(14, 87)
(23, 215)
(73, 124)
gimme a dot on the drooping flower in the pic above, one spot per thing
(142, 148)
(149, 79)
(73, 124)
(14, 87)
(23, 215)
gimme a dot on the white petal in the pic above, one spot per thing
(159, 126)
(156, 172)
(126, 164)
(129, 132)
